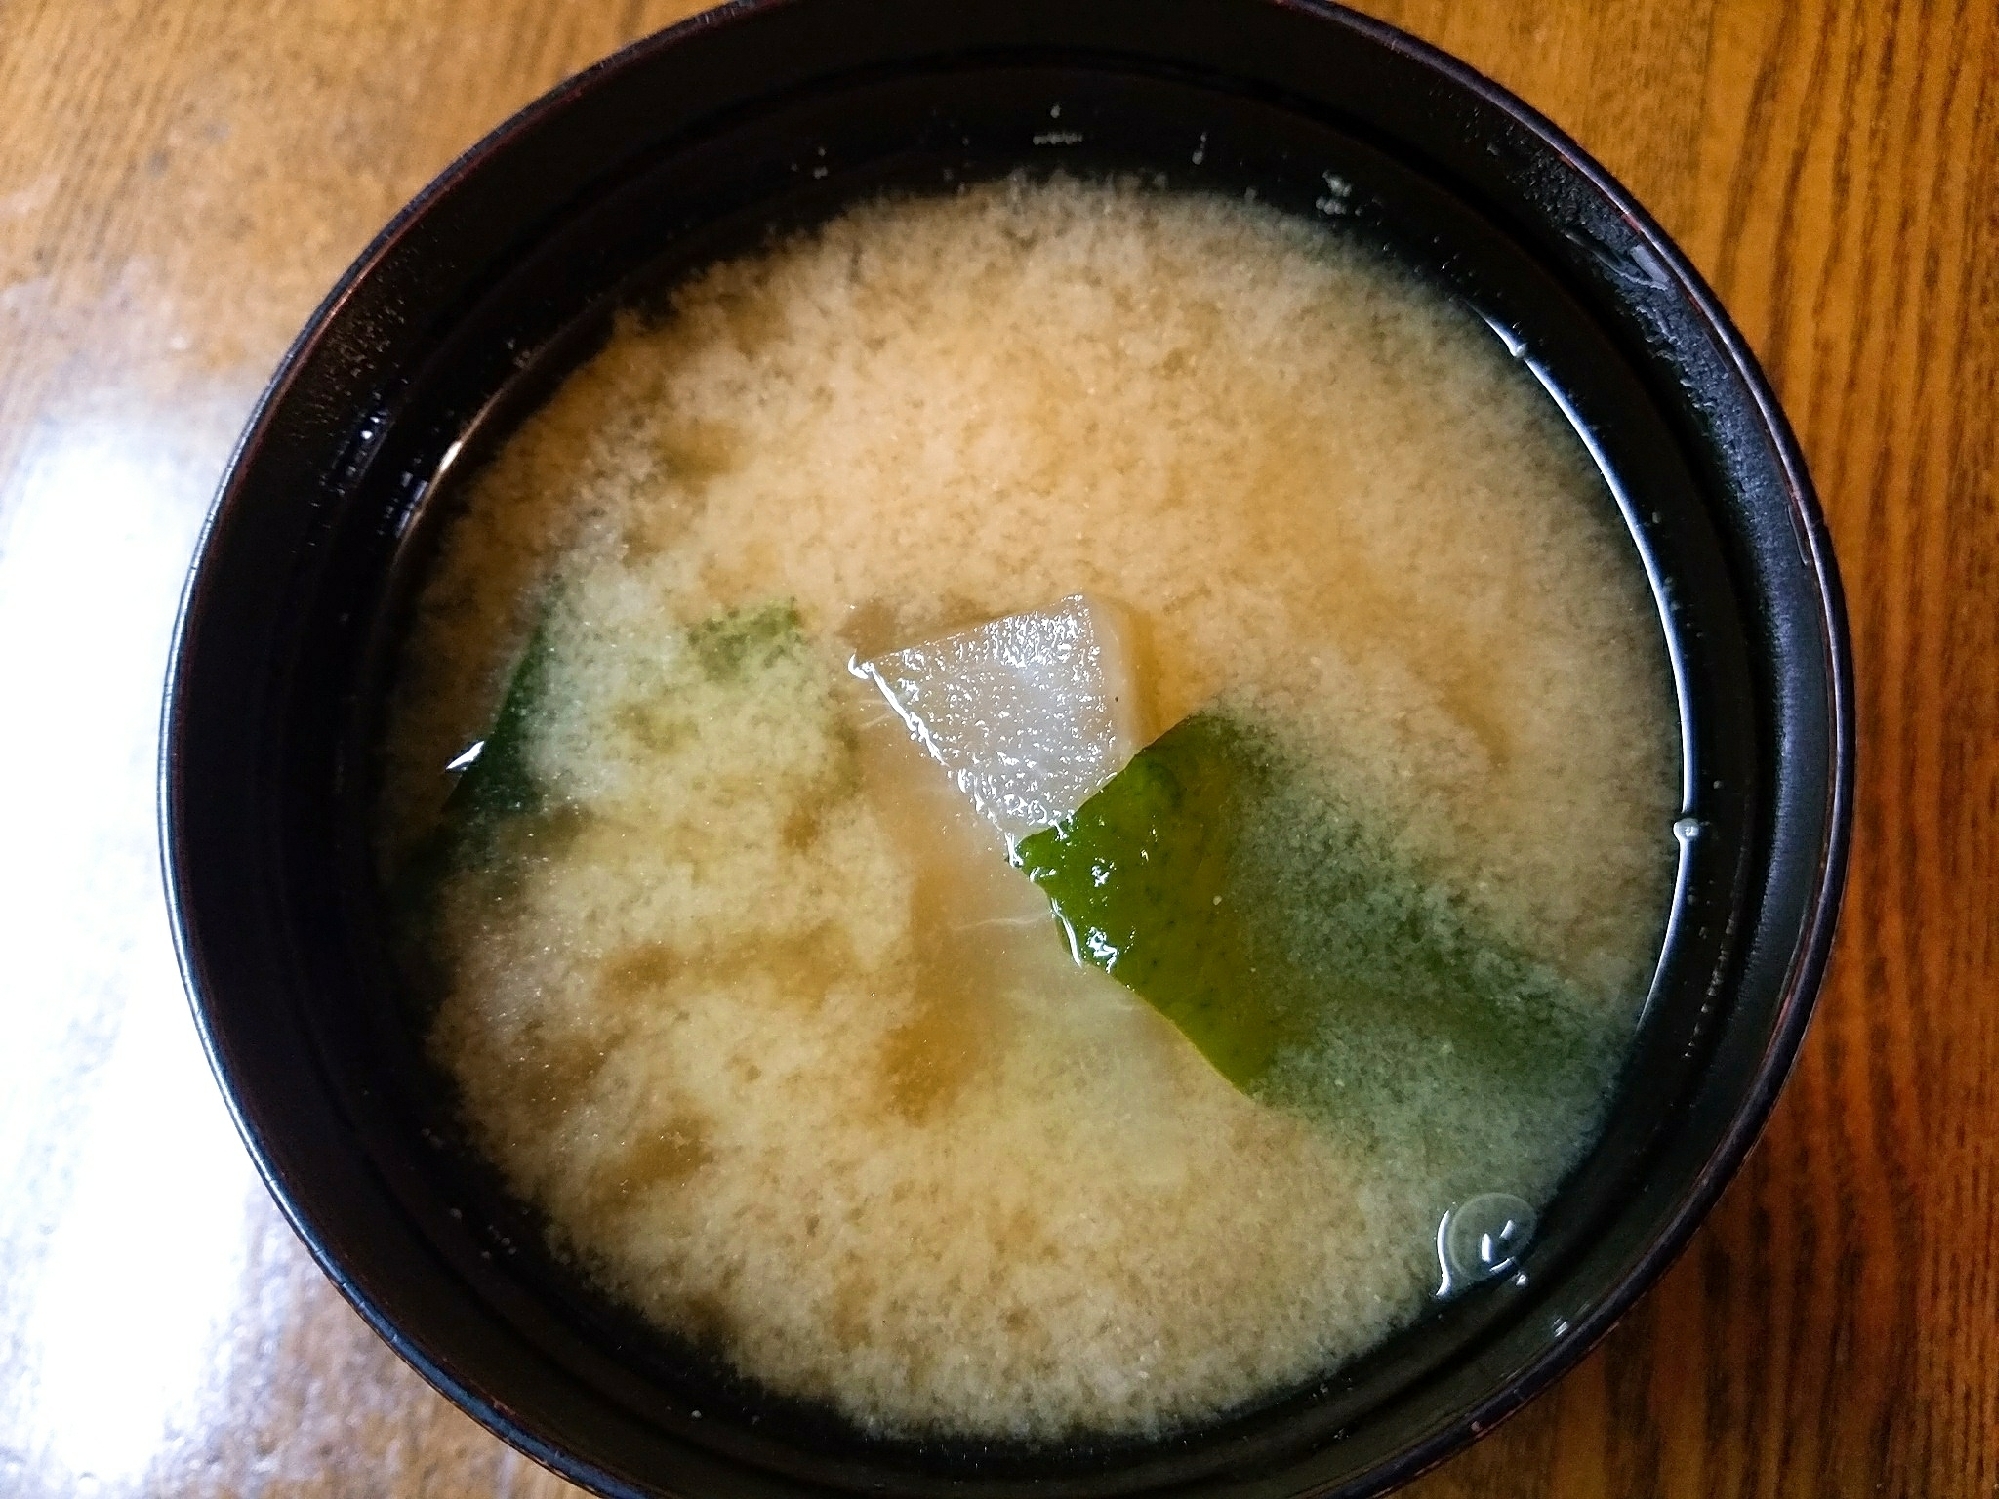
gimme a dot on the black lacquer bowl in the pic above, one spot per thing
(697, 143)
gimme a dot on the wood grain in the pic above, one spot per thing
(180, 181)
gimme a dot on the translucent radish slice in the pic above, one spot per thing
(1030, 714)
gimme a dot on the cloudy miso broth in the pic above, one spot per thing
(1014, 801)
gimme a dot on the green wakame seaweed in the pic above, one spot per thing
(1272, 928)
(498, 810)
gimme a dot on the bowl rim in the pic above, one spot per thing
(1803, 972)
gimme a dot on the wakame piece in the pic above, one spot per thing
(496, 781)
(498, 807)
(1277, 932)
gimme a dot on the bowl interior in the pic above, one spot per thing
(475, 305)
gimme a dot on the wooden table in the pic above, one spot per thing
(179, 183)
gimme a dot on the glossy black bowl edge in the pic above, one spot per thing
(1806, 962)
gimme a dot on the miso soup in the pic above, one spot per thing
(1039, 811)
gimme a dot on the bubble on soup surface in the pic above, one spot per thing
(1481, 1238)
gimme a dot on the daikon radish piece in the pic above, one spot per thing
(1030, 714)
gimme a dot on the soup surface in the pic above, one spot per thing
(1084, 1021)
